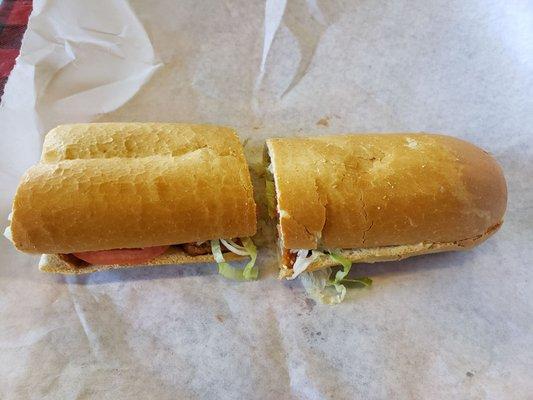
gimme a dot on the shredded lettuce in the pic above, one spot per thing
(321, 287)
(346, 266)
(317, 285)
(249, 272)
(303, 260)
(234, 247)
(363, 281)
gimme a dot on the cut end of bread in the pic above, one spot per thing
(69, 265)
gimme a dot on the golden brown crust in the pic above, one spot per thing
(369, 191)
(133, 185)
(392, 253)
(135, 139)
(54, 263)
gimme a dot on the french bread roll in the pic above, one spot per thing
(384, 197)
(109, 186)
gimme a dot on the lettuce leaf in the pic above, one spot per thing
(346, 266)
(303, 260)
(340, 276)
(318, 286)
(230, 272)
(249, 272)
(321, 287)
(234, 247)
(363, 281)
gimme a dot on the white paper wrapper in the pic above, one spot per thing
(442, 326)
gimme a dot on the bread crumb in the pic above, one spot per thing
(324, 121)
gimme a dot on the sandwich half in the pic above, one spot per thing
(368, 198)
(113, 195)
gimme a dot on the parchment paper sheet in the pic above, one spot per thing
(436, 327)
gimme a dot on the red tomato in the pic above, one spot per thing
(121, 256)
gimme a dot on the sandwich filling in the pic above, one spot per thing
(240, 246)
(139, 256)
(121, 256)
(217, 248)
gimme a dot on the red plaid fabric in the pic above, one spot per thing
(13, 20)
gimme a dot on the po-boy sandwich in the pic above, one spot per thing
(368, 198)
(112, 195)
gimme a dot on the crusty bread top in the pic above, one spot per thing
(372, 190)
(133, 185)
(135, 140)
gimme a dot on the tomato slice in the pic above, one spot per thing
(121, 256)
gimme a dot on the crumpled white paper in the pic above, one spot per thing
(441, 326)
(81, 59)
